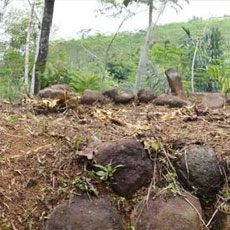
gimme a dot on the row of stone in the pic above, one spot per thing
(146, 95)
(166, 212)
(197, 167)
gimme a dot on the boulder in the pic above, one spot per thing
(111, 93)
(168, 212)
(137, 170)
(91, 97)
(84, 214)
(213, 100)
(171, 101)
(59, 92)
(175, 83)
(221, 221)
(124, 97)
(146, 95)
(198, 168)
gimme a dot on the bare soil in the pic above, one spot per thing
(38, 151)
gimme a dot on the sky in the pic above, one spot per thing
(72, 16)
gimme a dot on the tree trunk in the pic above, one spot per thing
(144, 54)
(27, 52)
(44, 42)
(193, 65)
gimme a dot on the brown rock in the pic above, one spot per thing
(213, 100)
(168, 212)
(175, 83)
(146, 95)
(171, 101)
(137, 170)
(90, 97)
(84, 214)
(59, 92)
(124, 97)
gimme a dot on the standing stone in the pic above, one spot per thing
(168, 212)
(198, 168)
(84, 214)
(137, 170)
(175, 83)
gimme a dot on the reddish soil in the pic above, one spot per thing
(39, 164)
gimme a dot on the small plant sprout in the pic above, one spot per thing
(106, 173)
(84, 185)
(77, 141)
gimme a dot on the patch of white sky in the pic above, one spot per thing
(73, 16)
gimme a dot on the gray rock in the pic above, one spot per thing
(146, 95)
(124, 97)
(175, 83)
(213, 100)
(198, 167)
(137, 170)
(84, 214)
(91, 97)
(171, 101)
(111, 93)
(168, 212)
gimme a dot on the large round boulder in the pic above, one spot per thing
(168, 212)
(84, 214)
(199, 169)
(146, 95)
(91, 97)
(137, 167)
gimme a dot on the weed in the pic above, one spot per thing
(106, 173)
(84, 185)
(171, 179)
(194, 190)
(77, 141)
(11, 120)
(225, 193)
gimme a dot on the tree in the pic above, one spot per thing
(4, 5)
(44, 42)
(27, 51)
(144, 53)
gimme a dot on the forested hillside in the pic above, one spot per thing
(103, 61)
(171, 48)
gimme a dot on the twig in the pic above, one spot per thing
(213, 215)
(198, 213)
